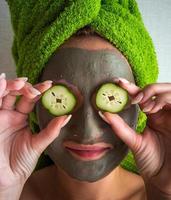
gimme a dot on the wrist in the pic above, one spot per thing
(12, 192)
(153, 192)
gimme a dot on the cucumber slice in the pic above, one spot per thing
(59, 100)
(111, 98)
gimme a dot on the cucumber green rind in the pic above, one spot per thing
(119, 94)
(49, 101)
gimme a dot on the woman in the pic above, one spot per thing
(62, 181)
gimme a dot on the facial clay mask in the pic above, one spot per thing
(84, 71)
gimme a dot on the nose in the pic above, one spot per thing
(88, 123)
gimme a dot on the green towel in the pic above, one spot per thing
(40, 27)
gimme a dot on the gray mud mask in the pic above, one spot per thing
(87, 69)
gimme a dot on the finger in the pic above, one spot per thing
(29, 91)
(157, 108)
(8, 102)
(42, 87)
(16, 84)
(46, 136)
(161, 101)
(155, 89)
(3, 84)
(129, 86)
(123, 131)
(8, 99)
(148, 106)
(132, 89)
(10, 85)
(26, 104)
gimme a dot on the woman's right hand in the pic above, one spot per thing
(19, 148)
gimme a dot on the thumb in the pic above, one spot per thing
(46, 136)
(123, 131)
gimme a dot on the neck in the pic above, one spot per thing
(110, 186)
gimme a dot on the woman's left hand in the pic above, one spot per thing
(152, 148)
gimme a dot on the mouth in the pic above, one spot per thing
(87, 152)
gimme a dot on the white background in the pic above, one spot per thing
(157, 18)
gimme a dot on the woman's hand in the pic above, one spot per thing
(19, 148)
(151, 149)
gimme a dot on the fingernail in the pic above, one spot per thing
(34, 91)
(138, 98)
(116, 80)
(145, 109)
(66, 120)
(148, 107)
(103, 117)
(123, 80)
(48, 82)
(2, 76)
(22, 79)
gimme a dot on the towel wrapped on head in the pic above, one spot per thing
(40, 27)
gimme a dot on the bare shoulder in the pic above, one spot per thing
(35, 184)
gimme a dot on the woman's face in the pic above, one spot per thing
(83, 70)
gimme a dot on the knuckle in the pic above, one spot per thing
(150, 88)
(162, 98)
(137, 144)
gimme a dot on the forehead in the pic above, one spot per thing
(80, 66)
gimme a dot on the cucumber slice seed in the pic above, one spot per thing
(59, 100)
(111, 98)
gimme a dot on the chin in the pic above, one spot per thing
(88, 172)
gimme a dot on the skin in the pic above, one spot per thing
(86, 126)
(152, 149)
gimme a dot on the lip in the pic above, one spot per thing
(96, 146)
(87, 152)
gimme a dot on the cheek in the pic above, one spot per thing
(56, 147)
(43, 116)
(130, 116)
